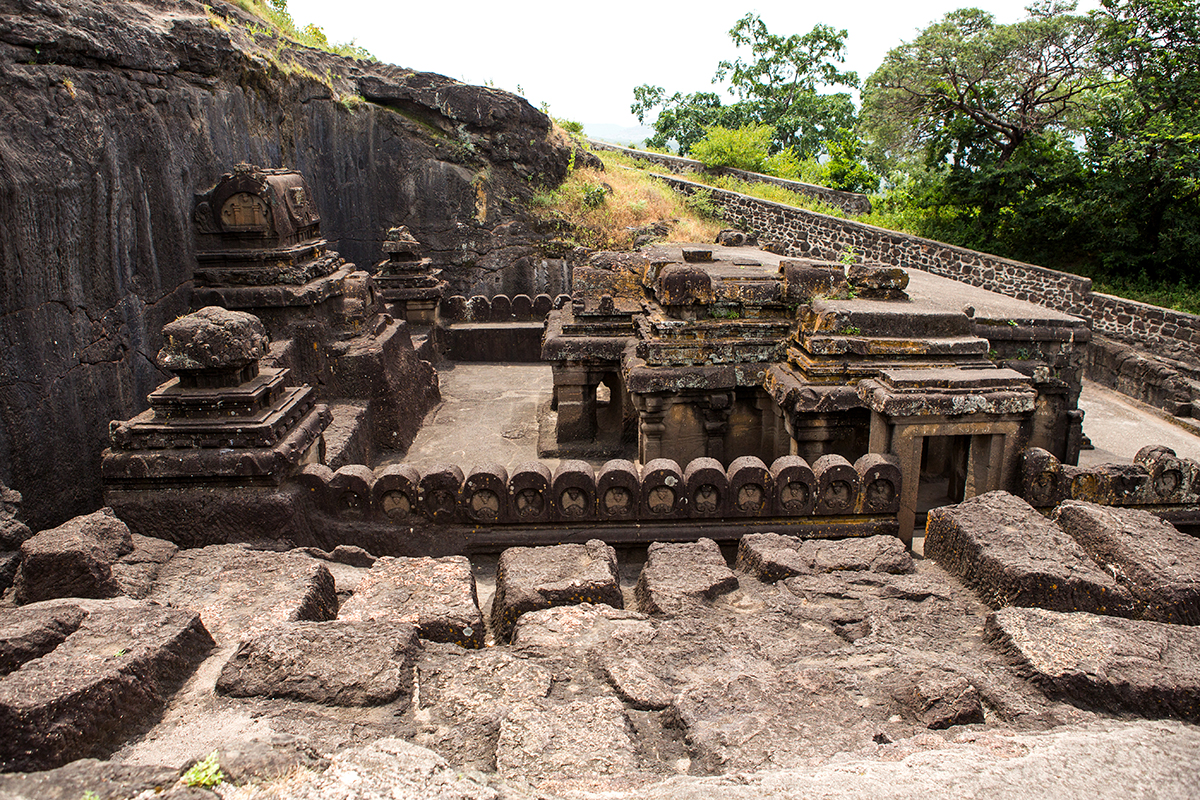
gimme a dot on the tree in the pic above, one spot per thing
(777, 86)
(1144, 140)
(984, 108)
(1007, 82)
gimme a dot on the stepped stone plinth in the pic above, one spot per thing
(222, 418)
(406, 280)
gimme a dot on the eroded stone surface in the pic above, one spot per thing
(136, 571)
(73, 560)
(584, 627)
(435, 594)
(1149, 668)
(237, 590)
(531, 578)
(103, 682)
(34, 630)
(212, 338)
(1157, 564)
(941, 699)
(1010, 554)
(104, 779)
(463, 696)
(677, 575)
(339, 662)
(771, 556)
(584, 743)
(636, 685)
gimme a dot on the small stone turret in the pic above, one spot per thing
(222, 418)
(406, 280)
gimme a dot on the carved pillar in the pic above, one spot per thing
(576, 404)
(651, 409)
(716, 422)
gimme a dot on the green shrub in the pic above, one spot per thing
(741, 148)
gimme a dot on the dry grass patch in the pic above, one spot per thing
(608, 210)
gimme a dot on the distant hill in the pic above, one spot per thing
(618, 134)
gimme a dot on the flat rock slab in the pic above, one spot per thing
(337, 663)
(435, 594)
(1149, 668)
(533, 578)
(770, 719)
(1011, 555)
(678, 575)
(584, 743)
(464, 696)
(112, 675)
(772, 556)
(136, 571)
(73, 560)
(88, 777)
(1157, 564)
(238, 590)
(32, 631)
(584, 627)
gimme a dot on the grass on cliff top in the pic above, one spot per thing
(608, 210)
(277, 15)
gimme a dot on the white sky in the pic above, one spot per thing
(584, 59)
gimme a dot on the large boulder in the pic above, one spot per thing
(1006, 551)
(1157, 564)
(73, 560)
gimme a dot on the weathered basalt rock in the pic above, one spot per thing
(99, 685)
(237, 590)
(435, 594)
(583, 628)
(212, 338)
(941, 699)
(676, 575)
(73, 560)
(531, 578)
(32, 631)
(339, 662)
(1012, 555)
(771, 556)
(1157, 564)
(1148, 668)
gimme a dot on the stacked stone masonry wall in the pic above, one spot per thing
(850, 202)
(810, 234)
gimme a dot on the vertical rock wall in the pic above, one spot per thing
(113, 114)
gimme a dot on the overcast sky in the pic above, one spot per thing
(584, 59)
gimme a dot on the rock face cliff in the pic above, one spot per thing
(112, 115)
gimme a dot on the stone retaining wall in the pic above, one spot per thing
(850, 202)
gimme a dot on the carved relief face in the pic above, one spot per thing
(794, 495)
(1042, 489)
(396, 505)
(440, 503)
(661, 500)
(530, 503)
(706, 499)
(485, 504)
(617, 501)
(880, 493)
(351, 502)
(573, 502)
(750, 498)
(244, 210)
(837, 498)
(1167, 482)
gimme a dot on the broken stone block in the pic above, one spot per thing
(258, 760)
(99, 685)
(212, 338)
(584, 627)
(237, 590)
(34, 630)
(435, 594)
(136, 571)
(941, 699)
(73, 560)
(1012, 555)
(12, 531)
(636, 685)
(532, 578)
(771, 556)
(337, 663)
(1157, 564)
(10, 561)
(1148, 668)
(542, 741)
(677, 575)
